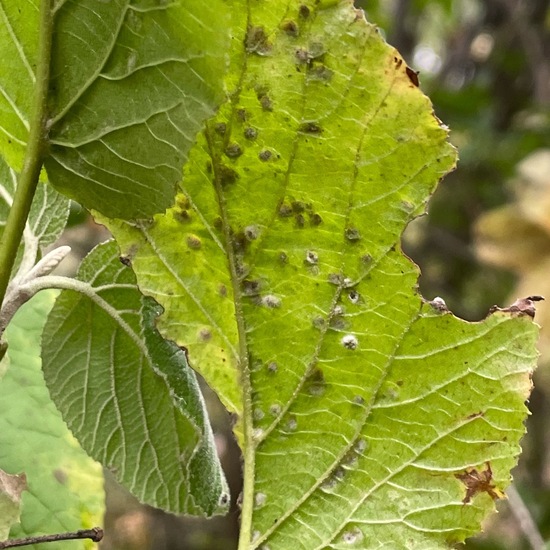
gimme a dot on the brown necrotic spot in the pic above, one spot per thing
(352, 234)
(315, 219)
(291, 28)
(266, 103)
(233, 150)
(227, 175)
(285, 210)
(256, 41)
(193, 242)
(310, 128)
(315, 382)
(413, 76)
(303, 11)
(205, 335)
(319, 72)
(250, 287)
(265, 155)
(220, 128)
(222, 291)
(125, 260)
(250, 133)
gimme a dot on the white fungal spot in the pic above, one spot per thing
(292, 424)
(258, 433)
(275, 409)
(258, 414)
(312, 257)
(255, 536)
(252, 232)
(354, 297)
(361, 445)
(271, 301)
(352, 536)
(338, 310)
(349, 341)
(347, 282)
(259, 499)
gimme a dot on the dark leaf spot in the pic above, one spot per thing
(266, 103)
(193, 242)
(220, 128)
(315, 219)
(413, 76)
(233, 150)
(256, 41)
(250, 133)
(291, 28)
(310, 128)
(250, 288)
(227, 175)
(242, 115)
(479, 482)
(304, 11)
(352, 234)
(285, 210)
(265, 155)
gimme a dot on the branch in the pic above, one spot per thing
(95, 534)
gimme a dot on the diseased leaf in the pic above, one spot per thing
(131, 83)
(11, 487)
(128, 394)
(369, 418)
(65, 487)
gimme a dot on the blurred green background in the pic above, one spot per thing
(486, 67)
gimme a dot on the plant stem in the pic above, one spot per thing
(95, 534)
(36, 146)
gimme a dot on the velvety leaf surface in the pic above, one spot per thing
(131, 83)
(369, 418)
(49, 210)
(128, 394)
(65, 487)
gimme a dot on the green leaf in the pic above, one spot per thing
(127, 394)
(11, 487)
(366, 413)
(65, 487)
(131, 83)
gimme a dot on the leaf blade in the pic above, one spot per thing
(127, 394)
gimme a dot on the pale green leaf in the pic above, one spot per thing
(366, 413)
(65, 487)
(128, 394)
(131, 83)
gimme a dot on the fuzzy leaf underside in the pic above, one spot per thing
(131, 83)
(49, 210)
(127, 394)
(376, 419)
(65, 487)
